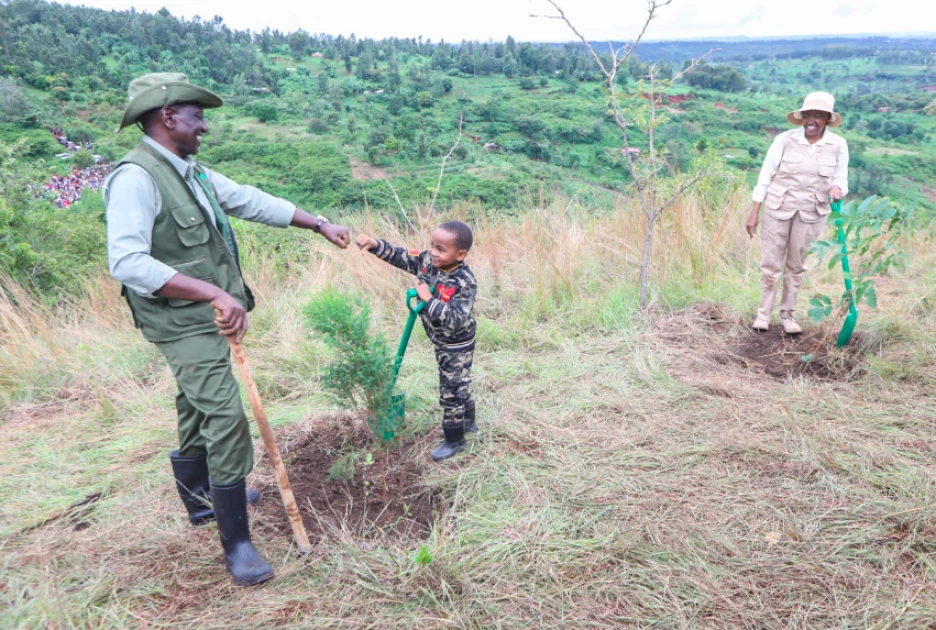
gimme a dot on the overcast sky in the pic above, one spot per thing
(454, 20)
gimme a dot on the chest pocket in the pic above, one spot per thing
(790, 162)
(190, 225)
(827, 163)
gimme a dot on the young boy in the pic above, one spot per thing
(448, 318)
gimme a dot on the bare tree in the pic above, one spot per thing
(423, 220)
(657, 186)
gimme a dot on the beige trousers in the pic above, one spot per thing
(791, 238)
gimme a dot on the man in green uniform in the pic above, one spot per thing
(172, 247)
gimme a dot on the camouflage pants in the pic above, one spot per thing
(454, 382)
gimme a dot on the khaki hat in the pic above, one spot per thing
(817, 101)
(160, 89)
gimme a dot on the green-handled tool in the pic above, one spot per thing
(852, 318)
(407, 331)
(389, 422)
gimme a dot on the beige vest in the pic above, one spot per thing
(802, 181)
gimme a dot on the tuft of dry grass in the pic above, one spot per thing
(624, 476)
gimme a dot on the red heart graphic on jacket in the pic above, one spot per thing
(445, 293)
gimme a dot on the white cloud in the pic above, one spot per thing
(596, 19)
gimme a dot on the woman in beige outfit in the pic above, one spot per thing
(805, 169)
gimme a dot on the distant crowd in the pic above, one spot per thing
(64, 190)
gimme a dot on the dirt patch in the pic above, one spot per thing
(364, 172)
(344, 484)
(812, 353)
(708, 336)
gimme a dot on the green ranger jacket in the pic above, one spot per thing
(187, 241)
(449, 316)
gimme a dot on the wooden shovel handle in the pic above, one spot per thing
(282, 480)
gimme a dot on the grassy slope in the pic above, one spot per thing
(625, 474)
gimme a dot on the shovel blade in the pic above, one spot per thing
(847, 329)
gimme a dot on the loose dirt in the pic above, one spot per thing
(345, 485)
(812, 353)
(705, 340)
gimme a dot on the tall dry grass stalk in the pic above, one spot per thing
(562, 260)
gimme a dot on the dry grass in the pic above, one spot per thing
(624, 477)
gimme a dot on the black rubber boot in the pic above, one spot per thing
(470, 425)
(191, 477)
(240, 558)
(454, 441)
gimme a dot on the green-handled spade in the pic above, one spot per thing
(852, 318)
(390, 421)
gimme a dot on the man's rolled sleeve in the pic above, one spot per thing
(132, 203)
(251, 204)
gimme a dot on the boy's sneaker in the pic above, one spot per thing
(761, 324)
(454, 442)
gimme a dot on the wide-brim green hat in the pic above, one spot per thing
(161, 89)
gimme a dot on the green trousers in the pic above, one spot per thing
(211, 415)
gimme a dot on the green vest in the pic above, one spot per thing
(185, 240)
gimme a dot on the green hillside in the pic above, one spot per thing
(636, 467)
(337, 124)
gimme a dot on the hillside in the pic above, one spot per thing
(663, 467)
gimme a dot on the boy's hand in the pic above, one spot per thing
(366, 243)
(423, 291)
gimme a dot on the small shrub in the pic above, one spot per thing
(83, 159)
(872, 230)
(361, 370)
(265, 112)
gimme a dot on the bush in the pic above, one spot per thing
(83, 159)
(33, 143)
(265, 112)
(361, 370)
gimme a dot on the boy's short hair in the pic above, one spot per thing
(463, 237)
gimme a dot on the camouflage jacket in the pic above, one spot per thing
(449, 316)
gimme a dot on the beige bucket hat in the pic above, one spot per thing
(817, 101)
(160, 89)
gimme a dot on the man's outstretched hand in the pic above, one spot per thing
(338, 235)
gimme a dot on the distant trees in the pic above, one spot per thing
(721, 77)
(13, 106)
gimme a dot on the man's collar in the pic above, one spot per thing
(181, 164)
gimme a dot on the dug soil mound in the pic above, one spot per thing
(347, 487)
(709, 343)
(812, 353)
